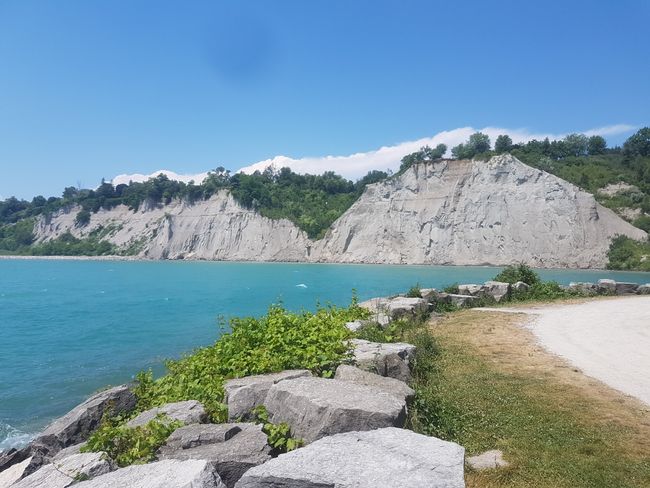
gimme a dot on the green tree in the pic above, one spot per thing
(638, 144)
(596, 145)
(575, 145)
(503, 144)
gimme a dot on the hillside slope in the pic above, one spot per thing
(448, 212)
(475, 212)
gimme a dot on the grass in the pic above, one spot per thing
(482, 381)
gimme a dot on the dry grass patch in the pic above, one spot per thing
(483, 381)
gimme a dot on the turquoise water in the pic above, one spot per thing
(68, 328)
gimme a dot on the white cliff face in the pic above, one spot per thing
(474, 212)
(449, 212)
(217, 228)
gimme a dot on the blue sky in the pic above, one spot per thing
(92, 89)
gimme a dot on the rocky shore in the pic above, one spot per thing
(352, 425)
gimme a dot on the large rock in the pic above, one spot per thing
(496, 289)
(429, 294)
(76, 425)
(469, 289)
(318, 407)
(13, 456)
(461, 301)
(584, 288)
(384, 310)
(626, 288)
(233, 448)
(606, 286)
(385, 359)
(244, 394)
(380, 458)
(188, 412)
(392, 386)
(68, 471)
(643, 289)
(13, 473)
(170, 473)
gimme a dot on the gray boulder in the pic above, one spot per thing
(626, 288)
(456, 299)
(392, 386)
(385, 359)
(429, 294)
(13, 456)
(584, 288)
(13, 473)
(400, 307)
(386, 457)
(76, 425)
(606, 286)
(318, 407)
(376, 305)
(188, 412)
(643, 289)
(520, 286)
(496, 289)
(244, 394)
(69, 451)
(470, 289)
(170, 473)
(66, 472)
(232, 448)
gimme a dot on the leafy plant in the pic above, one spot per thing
(519, 272)
(451, 289)
(278, 435)
(414, 291)
(130, 445)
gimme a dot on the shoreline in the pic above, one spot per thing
(9, 257)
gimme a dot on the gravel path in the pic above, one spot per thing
(608, 339)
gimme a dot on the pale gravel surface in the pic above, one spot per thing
(606, 339)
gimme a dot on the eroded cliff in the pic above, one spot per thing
(449, 212)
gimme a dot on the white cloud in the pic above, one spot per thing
(356, 165)
(139, 178)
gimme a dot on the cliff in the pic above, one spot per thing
(449, 212)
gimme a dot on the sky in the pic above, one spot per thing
(91, 89)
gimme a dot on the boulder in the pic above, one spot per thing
(488, 460)
(244, 394)
(495, 289)
(354, 326)
(13, 456)
(584, 288)
(170, 473)
(606, 287)
(68, 471)
(397, 388)
(643, 289)
(69, 451)
(429, 294)
(626, 288)
(386, 457)
(469, 289)
(13, 473)
(520, 287)
(232, 448)
(400, 307)
(456, 299)
(386, 359)
(188, 412)
(375, 305)
(318, 407)
(76, 425)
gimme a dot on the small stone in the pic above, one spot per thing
(488, 460)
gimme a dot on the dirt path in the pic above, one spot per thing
(606, 339)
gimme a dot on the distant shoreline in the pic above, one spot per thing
(73, 258)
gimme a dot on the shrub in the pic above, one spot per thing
(82, 219)
(453, 289)
(414, 291)
(277, 341)
(278, 435)
(520, 272)
(126, 445)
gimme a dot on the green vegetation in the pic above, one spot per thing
(520, 272)
(278, 435)
(130, 445)
(424, 155)
(628, 254)
(477, 144)
(415, 291)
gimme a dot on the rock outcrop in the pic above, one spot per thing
(232, 448)
(447, 212)
(76, 425)
(68, 471)
(318, 407)
(244, 394)
(386, 457)
(169, 473)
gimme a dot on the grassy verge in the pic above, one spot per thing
(482, 382)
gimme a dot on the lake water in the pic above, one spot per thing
(68, 328)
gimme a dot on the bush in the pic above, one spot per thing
(626, 253)
(278, 435)
(520, 272)
(82, 219)
(277, 341)
(414, 291)
(126, 445)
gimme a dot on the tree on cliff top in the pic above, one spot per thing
(478, 143)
